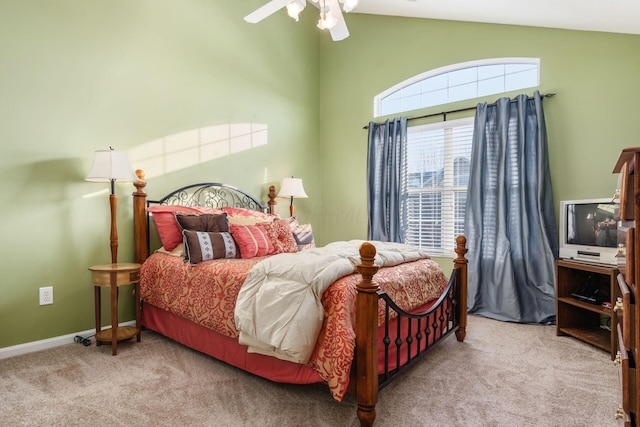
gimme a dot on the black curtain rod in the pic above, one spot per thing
(444, 113)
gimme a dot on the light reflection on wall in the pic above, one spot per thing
(192, 147)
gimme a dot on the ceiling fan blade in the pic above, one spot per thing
(262, 12)
(340, 31)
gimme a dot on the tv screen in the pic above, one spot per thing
(591, 224)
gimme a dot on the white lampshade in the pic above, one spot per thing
(111, 165)
(292, 187)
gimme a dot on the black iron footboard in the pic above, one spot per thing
(408, 336)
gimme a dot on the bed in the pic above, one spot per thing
(365, 331)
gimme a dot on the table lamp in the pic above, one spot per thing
(292, 187)
(111, 166)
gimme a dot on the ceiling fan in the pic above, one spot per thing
(331, 17)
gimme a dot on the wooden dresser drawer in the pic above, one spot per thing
(627, 376)
(625, 309)
(625, 254)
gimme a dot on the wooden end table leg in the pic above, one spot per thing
(114, 313)
(97, 312)
(137, 303)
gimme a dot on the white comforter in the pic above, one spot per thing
(278, 311)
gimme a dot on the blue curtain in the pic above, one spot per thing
(510, 216)
(387, 194)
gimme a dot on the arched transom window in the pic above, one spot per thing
(458, 82)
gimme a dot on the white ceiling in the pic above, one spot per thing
(616, 16)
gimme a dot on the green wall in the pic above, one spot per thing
(77, 76)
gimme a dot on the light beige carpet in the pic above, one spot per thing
(502, 375)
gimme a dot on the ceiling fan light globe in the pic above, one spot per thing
(326, 21)
(349, 5)
(295, 7)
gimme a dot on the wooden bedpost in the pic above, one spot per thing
(272, 200)
(140, 228)
(461, 263)
(367, 337)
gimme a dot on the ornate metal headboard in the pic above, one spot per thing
(212, 195)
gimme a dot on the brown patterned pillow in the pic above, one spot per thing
(202, 246)
(203, 222)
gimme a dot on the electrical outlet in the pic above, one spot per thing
(46, 295)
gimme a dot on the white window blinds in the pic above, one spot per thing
(438, 159)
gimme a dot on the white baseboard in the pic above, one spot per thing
(30, 347)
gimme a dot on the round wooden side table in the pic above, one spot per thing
(113, 276)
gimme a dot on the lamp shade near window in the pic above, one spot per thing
(292, 188)
(111, 166)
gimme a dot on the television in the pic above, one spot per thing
(588, 230)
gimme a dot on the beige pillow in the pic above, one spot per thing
(177, 251)
(247, 220)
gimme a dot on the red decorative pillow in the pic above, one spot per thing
(168, 229)
(280, 234)
(252, 240)
(166, 224)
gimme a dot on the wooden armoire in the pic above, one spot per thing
(629, 265)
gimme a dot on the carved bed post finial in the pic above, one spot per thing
(367, 337)
(140, 183)
(272, 200)
(461, 263)
(140, 228)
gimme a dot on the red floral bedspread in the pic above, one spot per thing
(206, 293)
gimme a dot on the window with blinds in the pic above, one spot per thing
(438, 159)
